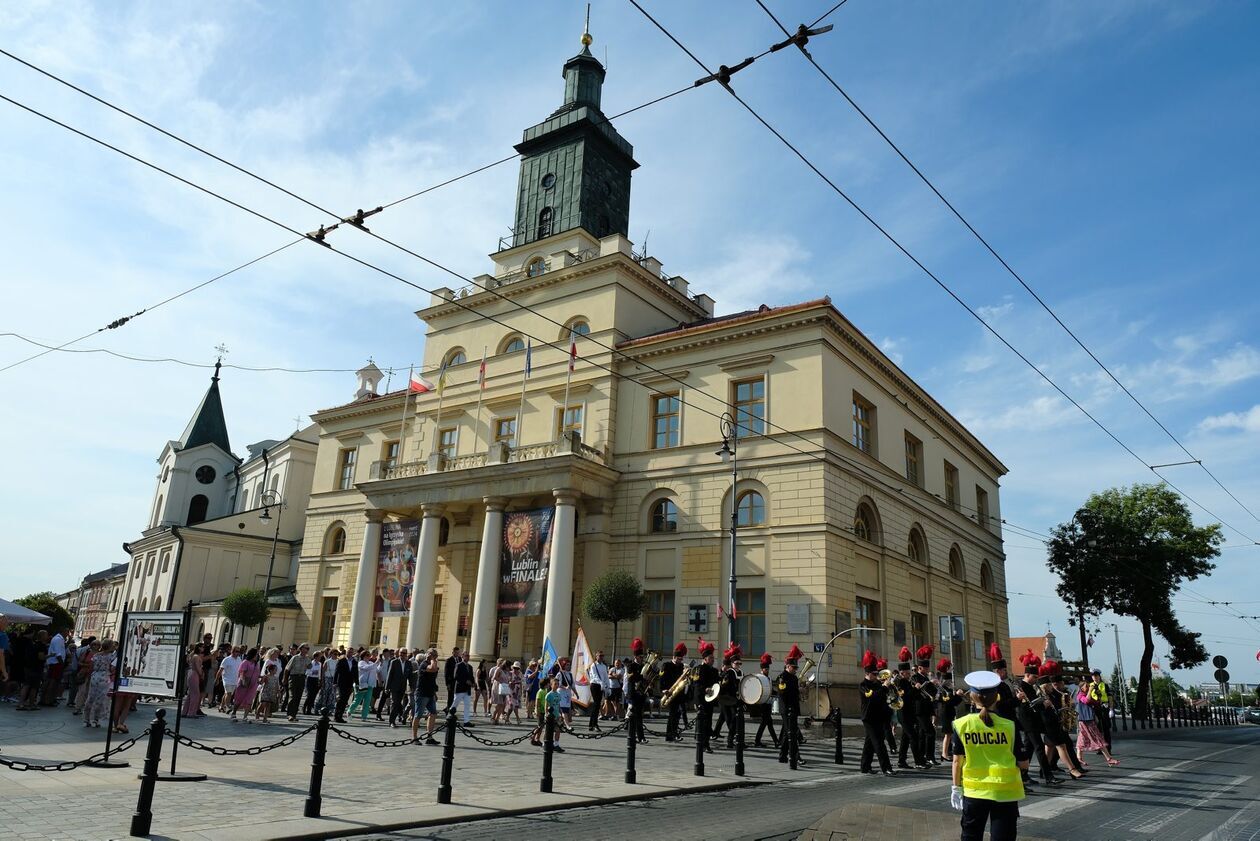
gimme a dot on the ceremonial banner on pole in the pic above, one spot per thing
(524, 560)
(152, 654)
(396, 567)
(549, 656)
(582, 659)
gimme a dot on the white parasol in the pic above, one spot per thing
(17, 613)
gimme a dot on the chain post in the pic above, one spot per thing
(448, 758)
(549, 737)
(702, 738)
(142, 819)
(632, 740)
(314, 795)
(792, 748)
(840, 738)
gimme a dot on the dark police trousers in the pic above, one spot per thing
(1001, 818)
(1103, 720)
(876, 733)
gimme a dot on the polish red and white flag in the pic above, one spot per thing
(419, 385)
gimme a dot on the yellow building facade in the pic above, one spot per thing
(861, 502)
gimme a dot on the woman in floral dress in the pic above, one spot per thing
(327, 702)
(515, 683)
(99, 685)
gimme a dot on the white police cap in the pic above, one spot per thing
(982, 681)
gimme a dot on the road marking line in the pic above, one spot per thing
(903, 789)
(1222, 832)
(1159, 823)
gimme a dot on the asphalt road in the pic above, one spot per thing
(1199, 784)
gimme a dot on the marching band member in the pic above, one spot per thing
(790, 706)
(890, 731)
(1006, 705)
(636, 688)
(764, 710)
(708, 676)
(1052, 732)
(728, 696)
(986, 780)
(926, 703)
(948, 702)
(670, 673)
(909, 713)
(875, 717)
(1031, 727)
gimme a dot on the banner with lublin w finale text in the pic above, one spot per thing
(524, 560)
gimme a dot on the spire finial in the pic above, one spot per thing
(586, 33)
(218, 363)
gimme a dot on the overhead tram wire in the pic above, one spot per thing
(1007, 266)
(922, 267)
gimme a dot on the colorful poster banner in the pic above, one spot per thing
(152, 647)
(524, 560)
(396, 567)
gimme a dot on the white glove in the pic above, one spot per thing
(956, 797)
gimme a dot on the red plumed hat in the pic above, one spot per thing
(680, 650)
(766, 659)
(1032, 663)
(996, 660)
(924, 655)
(944, 666)
(881, 664)
(903, 657)
(734, 652)
(868, 661)
(637, 647)
(794, 654)
(706, 648)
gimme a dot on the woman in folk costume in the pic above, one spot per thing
(1088, 736)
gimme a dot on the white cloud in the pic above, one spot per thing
(993, 313)
(1248, 421)
(756, 269)
(892, 348)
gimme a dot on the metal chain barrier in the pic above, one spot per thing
(251, 751)
(577, 735)
(70, 765)
(380, 743)
(492, 744)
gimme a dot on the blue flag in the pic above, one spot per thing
(549, 656)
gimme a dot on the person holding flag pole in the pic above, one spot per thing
(416, 384)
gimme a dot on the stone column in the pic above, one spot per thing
(559, 615)
(486, 595)
(421, 619)
(365, 581)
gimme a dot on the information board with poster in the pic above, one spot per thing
(396, 567)
(524, 561)
(152, 650)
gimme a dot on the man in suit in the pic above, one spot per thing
(395, 676)
(448, 676)
(345, 675)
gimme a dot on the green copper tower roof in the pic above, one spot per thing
(208, 425)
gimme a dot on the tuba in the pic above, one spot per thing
(650, 672)
(893, 694)
(689, 676)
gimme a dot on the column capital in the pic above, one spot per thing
(374, 515)
(432, 509)
(565, 496)
(495, 503)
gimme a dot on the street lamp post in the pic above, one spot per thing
(730, 455)
(269, 498)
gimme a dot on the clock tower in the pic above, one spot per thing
(575, 169)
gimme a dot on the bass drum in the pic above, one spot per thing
(754, 689)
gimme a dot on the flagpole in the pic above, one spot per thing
(437, 428)
(481, 393)
(520, 412)
(402, 433)
(564, 408)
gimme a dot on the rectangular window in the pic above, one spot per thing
(749, 627)
(665, 420)
(389, 454)
(951, 486)
(982, 507)
(658, 620)
(918, 630)
(568, 421)
(750, 407)
(436, 622)
(863, 424)
(327, 620)
(866, 615)
(345, 468)
(914, 460)
(447, 439)
(378, 627)
(505, 431)
(989, 639)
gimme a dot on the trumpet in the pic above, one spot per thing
(689, 676)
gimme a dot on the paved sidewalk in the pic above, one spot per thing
(262, 797)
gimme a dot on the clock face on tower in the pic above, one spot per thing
(205, 474)
(549, 181)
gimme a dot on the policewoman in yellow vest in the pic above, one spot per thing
(987, 786)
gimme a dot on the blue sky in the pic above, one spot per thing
(1108, 152)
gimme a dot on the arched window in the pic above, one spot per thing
(544, 223)
(157, 514)
(456, 356)
(157, 603)
(144, 603)
(444, 532)
(201, 631)
(577, 327)
(535, 267)
(664, 517)
(337, 541)
(148, 568)
(750, 510)
(956, 569)
(513, 344)
(916, 547)
(864, 523)
(197, 509)
(986, 577)
(244, 499)
(225, 633)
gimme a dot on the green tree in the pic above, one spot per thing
(1193, 693)
(1165, 691)
(1128, 550)
(615, 597)
(46, 603)
(246, 607)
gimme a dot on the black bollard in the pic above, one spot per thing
(702, 739)
(632, 740)
(791, 727)
(549, 735)
(840, 738)
(142, 819)
(314, 795)
(739, 738)
(448, 759)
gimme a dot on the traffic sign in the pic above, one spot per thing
(1219, 662)
(1221, 676)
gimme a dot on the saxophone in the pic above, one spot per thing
(689, 676)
